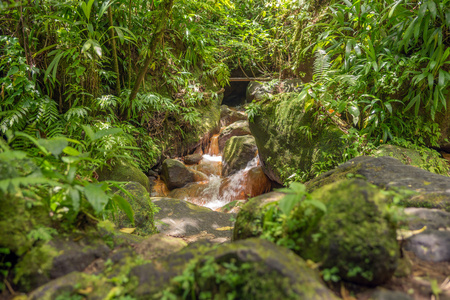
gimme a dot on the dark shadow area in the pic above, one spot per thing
(234, 94)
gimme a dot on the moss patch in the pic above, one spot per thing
(291, 140)
(123, 171)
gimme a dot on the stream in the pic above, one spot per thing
(218, 191)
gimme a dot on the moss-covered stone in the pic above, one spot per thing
(123, 171)
(251, 269)
(291, 140)
(238, 151)
(355, 234)
(249, 221)
(175, 174)
(417, 187)
(235, 129)
(159, 245)
(424, 158)
(230, 115)
(143, 210)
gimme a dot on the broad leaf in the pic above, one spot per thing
(96, 196)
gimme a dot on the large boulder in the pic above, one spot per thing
(143, 210)
(250, 269)
(123, 171)
(175, 174)
(236, 129)
(57, 258)
(292, 141)
(355, 236)
(183, 219)
(419, 188)
(238, 151)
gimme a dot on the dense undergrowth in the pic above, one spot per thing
(68, 71)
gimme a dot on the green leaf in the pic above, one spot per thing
(288, 202)
(124, 206)
(74, 195)
(55, 145)
(432, 7)
(96, 196)
(71, 151)
(105, 132)
(317, 204)
(89, 132)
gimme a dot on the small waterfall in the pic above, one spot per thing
(221, 192)
(214, 145)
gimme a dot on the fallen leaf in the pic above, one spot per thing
(86, 291)
(127, 230)
(403, 234)
(225, 228)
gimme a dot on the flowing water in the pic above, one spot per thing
(219, 191)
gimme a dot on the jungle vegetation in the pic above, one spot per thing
(87, 82)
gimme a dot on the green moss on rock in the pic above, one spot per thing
(238, 151)
(355, 234)
(291, 140)
(424, 158)
(249, 221)
(143, 209)
(124, 171)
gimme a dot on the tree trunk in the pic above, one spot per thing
(165, 8)
(114, 49)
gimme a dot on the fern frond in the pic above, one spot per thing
(321, 64)
(80, 112)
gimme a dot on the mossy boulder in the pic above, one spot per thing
(424, 158)
(175, 174)
(417, 187)
(252, 269)
(72, 285)
(292, 141)
(235, 129)
(249, 221)
(238, 151)
(143, 210)
(123, 171)
(57, 258)
(192, 159)
(159, 245)
(356, 234)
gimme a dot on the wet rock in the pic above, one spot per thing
(292, 141)
(159, 189)
(159, 245)
(142, 207)
(238, 151)
(175, 174)
(192, 159)
(199, 176)
(427, 159)
(434, 219)
(180, 218)
(249, 220)
(192, 191)
(209, 167)
(257, 183)
(238, 128)
(419, 188)
(229, 115)
(123, 171)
